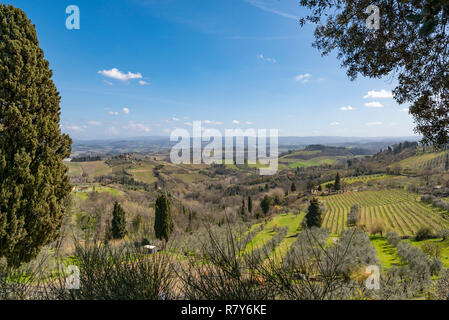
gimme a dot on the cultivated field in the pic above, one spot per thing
(399, 210)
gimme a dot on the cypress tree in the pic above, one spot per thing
(243, 209)
(33, 180)
(313, 216)
(293, 187)
(250, 204)
(163, 223)
(337, 184)
(265, 204)
(118, 225)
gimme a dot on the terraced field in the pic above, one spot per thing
(360, 179)
(425, 160)
(399, 210)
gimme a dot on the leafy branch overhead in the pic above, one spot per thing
(411, 45)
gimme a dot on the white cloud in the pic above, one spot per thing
(94, 123)
(404, 110)
(115, 73)
(126, 110)
(267, 59)
(347, 108)
(113, 130)
(108, 82)
(113, 113)
(374, 104)
(175, 119)
(382, 94)
(74, 128)
(143, 83)
(212, 122)
(136, 126)
(375, 123)
(335, 123)
(249, 123)
(304, 78)
(235, 122)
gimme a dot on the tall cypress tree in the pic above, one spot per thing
(313, 216)
(337, 184)
(163, 222)
(250, 204)
(33, 180)
(118, 224)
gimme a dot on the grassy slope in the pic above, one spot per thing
(387, 254)
(290, 220)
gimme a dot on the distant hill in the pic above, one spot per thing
(154, 144)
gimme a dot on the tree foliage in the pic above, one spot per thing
(163, 222)
(33, 180)
(265, 204)
(118, 224)
(313, 217)
(411, 44)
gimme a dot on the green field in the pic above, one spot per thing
(386, 254)
(399, 210)
(360, 179)
(424, 160)
(290, 220)
(91, 168)
(83, 194)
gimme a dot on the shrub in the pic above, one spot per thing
(432, 249)
(392, 238)
(424, 233)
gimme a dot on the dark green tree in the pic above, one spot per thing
(163, 222)
(293, 187)
(446, 164)
(33, 180)
(309, 185)
(313, 217)
(410, 44)
(243, 209)
(250, 204)
(118, 223)
(265, 204)
(337, 183)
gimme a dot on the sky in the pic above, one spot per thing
(146, 67)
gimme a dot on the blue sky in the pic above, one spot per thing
(146, 67)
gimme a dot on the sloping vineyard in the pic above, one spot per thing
(398, 210)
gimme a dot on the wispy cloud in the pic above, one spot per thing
(115, 73)
(303, 78)
(249, 123)
(74, 128)
(113, 130)
(235, 122)
(374, 104)
(404, 110)
(346, 108)
(113, 113)
(175, 119)
(375, 123)
(212, 122)
(137, 127)
(382, 94)
(94, 123)
(335, 123)
(143, 83)
(126, 110)
(263, 6)
(267, 59)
